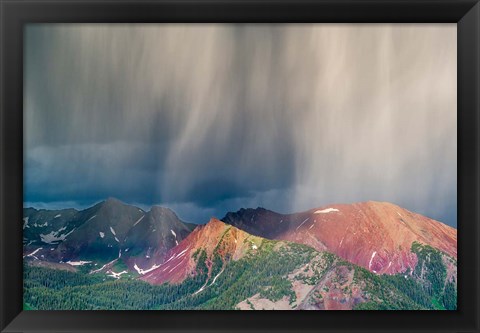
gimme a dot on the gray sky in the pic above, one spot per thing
(211, 118)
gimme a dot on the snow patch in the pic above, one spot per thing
(113, 231)
(303, 222)
(101, 268)
(138, 220)
(201, 289)
(94, 216)
(175, 266)
(182, 253)
(116, 275)
(117, 240)
(169, 259)
(40, 225)
(176, 242)
(61, 229)
(78, 263)
(173, 233)
(371, 258)
(55, 236)
(325, 211)
(101, 234)
(33, 253)
(25, 222)
(176, 256)
(145, 271)
(57, 216)
(215, 278)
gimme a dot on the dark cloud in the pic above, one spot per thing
(210, 118)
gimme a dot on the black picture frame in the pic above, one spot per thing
(16, 13)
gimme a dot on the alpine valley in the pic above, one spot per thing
(115, 256)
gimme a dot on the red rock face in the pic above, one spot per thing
(374, 235)
(228, 240)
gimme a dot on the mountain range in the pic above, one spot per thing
(374, 235)
(369, 255)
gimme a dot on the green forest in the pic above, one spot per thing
(263, 272)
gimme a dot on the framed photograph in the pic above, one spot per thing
(181, 166)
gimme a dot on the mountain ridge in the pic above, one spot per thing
(378, 228)
(102, 233)
(310, 260)
(216, 235)
(375, 235)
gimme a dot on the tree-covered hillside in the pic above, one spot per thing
(276, 275)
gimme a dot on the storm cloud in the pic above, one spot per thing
(211, 118)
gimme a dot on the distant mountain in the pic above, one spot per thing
(221, 266)
(41, 226)
(375, 235)
(102, 234)
(151, 236)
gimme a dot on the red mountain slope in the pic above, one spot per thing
(374, 235)
(215, 235)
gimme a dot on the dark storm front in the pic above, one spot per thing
(327, 126)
